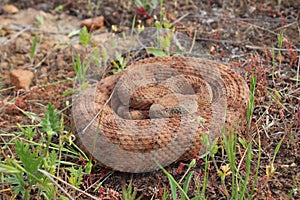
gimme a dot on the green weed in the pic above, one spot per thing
(280, 38)
(119, 63)
(1, 84)
(164, 39)
(211, 150)
(239, 183)
(174, 185)
(26, 172)
(33, 49)
(165, 195)
(85, 37)
(129, 193)
(59, 8)
(39, 20)
(280, 41)
(76, 176)
(257, 168)
(240, 180)
(251, 104)
(80, 70)
(270, 169)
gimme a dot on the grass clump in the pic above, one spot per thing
(129, 193)
(38, 159)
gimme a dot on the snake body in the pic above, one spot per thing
(157, 110)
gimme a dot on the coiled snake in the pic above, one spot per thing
(157, 110)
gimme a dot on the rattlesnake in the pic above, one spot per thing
(157, 110)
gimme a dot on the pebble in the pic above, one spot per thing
(93, 23)
(21, 78)
(4, 65)
(17, 59)
(10, 9)
(280, 58)
(22, 46)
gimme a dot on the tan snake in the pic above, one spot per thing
(157, 110)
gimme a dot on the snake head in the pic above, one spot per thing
(160, 111)
(173, 105)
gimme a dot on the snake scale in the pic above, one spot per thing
(157, 110)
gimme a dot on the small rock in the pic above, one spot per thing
(212, 49)
(21, 78)
(60, 62)
(10, 9)
(4, 65)
(251, 9)
(93, 23)
(22, 46)
(44, 6)
(17, 59)
(280, 58)
(150, 21)
(44, 71)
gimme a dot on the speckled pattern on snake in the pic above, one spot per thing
(157, 110)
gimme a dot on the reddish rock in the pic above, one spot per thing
(21, 78)
(10, 9)
(93, 23)
(280, 58)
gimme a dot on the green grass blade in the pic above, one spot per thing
(173, 187)
(165, 195)
(248, 166)
(33, 48)
(277, 149)
(251, 101)
(257, 168)
(187, 183)
(173, 184)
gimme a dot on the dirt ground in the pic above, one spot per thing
(243, 34)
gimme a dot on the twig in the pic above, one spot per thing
(259, 27)
(218, 40)
(285, 26)
(92, 185)
(260, 19)
(39, 30)
(270, 48)
(55, 183)
(193, 43)
(297, 75)
(98, 113)
(179, 19)
(45, 57)
(50, 176)
(16, 35)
